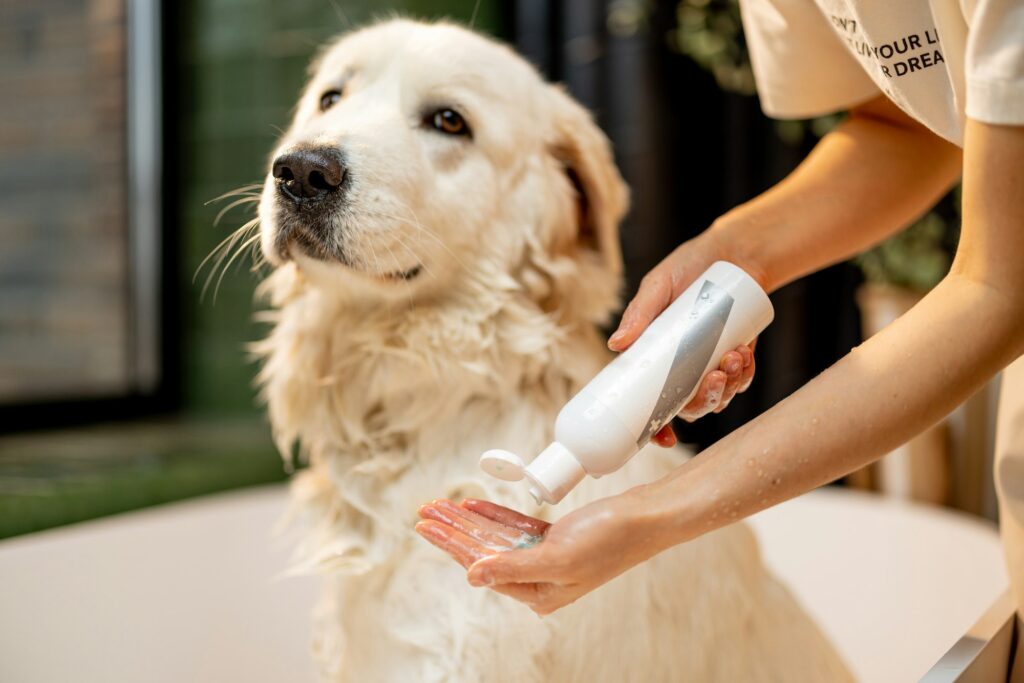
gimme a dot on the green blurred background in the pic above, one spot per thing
(233, 69)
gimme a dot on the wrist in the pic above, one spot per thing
(730, 239)
(659, 514)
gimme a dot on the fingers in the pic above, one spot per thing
(477, 531)
(732, 365)
(707, 398)
(518, 566)
(542, 598)
(506, 516)
(464, 549)
(748, 368)
(476, 526)
(733, 376)
(654, 295)
(666, 438)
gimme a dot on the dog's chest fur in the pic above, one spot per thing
(392, 407)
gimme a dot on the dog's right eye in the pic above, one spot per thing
(329, 99)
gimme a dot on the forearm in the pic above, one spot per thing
(885, 391)
(864, 181)
(891, 387)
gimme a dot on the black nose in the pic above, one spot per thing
(309, 173)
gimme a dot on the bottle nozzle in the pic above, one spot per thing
(554, 473)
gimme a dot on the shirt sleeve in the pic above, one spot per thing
(801, 66)
(995, 62)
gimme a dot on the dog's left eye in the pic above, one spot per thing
(449, 122)
(329, 99)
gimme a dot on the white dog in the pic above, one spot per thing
(443, 227)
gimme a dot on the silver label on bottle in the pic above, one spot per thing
(700, 337)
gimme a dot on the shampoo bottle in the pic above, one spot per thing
(644, 387)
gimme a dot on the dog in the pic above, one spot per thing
(442, 227)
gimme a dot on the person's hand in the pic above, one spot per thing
(546, 566)
(658, 289)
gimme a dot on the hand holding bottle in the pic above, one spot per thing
(659, 288)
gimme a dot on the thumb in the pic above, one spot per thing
(653, 297)
(513, 566)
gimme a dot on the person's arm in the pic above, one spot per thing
(867, 179)
(885, 391)
(864, 181)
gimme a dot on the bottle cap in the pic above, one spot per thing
(554, 473)
(502, 465)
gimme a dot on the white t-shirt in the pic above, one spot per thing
(938, 60)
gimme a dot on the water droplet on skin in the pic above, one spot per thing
(814, 421)
(776, 481)
(760, 473)
(664, 395)
(750, 462)
(764, 501)
(679, 390)
(766, 451)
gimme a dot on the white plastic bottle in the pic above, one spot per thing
(640, 391)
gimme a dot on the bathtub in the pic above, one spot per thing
(192, 592)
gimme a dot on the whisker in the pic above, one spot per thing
(249, 190)
(412, 253)
(224, 251)
(345, 23)
(376, 259)
(237, 202)
(426, 231)
(232, 238)
(258, 258)
(252, 240)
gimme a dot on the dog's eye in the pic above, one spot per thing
(449, 122)
(329, 99)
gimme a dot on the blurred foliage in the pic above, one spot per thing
(916, 258)
(710, 32)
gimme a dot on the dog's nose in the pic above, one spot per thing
(309, 173)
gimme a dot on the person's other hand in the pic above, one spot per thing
(546, 566)
(658, 289)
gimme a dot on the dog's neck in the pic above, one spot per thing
(357, 379)
(375, 392)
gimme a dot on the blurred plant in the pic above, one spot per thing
(916, 258)
(710, 32)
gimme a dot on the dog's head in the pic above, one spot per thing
(422, 155)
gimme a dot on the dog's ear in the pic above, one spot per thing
(586, 154)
